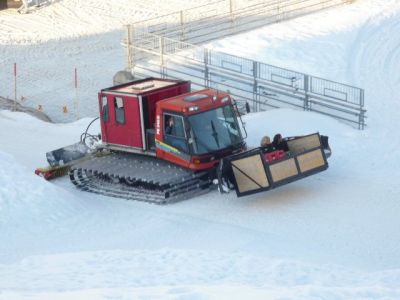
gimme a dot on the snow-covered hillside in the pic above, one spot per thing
(331, 236)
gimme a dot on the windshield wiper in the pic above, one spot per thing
(214, 134)
(200, 142)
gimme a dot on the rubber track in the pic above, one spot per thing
(141, 178)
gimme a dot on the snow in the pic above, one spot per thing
(334, 235)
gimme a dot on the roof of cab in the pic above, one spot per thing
(143, 86)
(204, 100)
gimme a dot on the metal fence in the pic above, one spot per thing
(228, 17)
(166, 46)
(263, 85)
(61, 78)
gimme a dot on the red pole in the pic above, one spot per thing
(15, 86)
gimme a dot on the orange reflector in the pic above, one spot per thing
(197, 161)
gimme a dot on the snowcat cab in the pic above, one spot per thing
(205, 129)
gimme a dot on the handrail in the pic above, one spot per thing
(175, 57)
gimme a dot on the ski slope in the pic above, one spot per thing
(331, 236)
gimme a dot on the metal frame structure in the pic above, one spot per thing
(228, 17)
(264, 86)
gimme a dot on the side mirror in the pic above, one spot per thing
(247, 105)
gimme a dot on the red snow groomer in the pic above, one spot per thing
(162, 143)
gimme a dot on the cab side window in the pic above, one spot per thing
(119, 110)
(174, 132)
(174, 126)
(104, 109)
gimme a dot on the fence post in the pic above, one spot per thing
(161, 46)
(129, 46)
(361, 121)
(306, 90)
(256, 104)
(182, 27)
(278, 17)
(231, 13)
(206, 70)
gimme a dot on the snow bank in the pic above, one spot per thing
(324, 44)
(28, 138)
(27, 197)
(30, 208)
(187, 274)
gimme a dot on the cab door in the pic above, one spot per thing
(171, 143)
(121, 121)
(174, 132)
(104, 116)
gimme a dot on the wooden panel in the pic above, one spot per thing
(283, 170)
(311, 160)
(249, 173)
(304, 143)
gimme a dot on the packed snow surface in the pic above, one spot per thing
(334, 235)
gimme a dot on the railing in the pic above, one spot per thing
(228, 17)
(263, 85)
(165, 46)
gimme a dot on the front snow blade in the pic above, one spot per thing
(67, 154)
(255, 171)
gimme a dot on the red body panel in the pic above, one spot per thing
(181, 106)
(212, 101)
(150, 99)
(127, 134)
(139, 106)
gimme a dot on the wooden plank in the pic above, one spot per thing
(311, 160)
(302, 144)
(249, 173)
(283, 170)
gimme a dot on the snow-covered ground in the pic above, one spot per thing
(48, 44)
(331, 236)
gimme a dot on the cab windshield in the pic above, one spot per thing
(214, 130)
